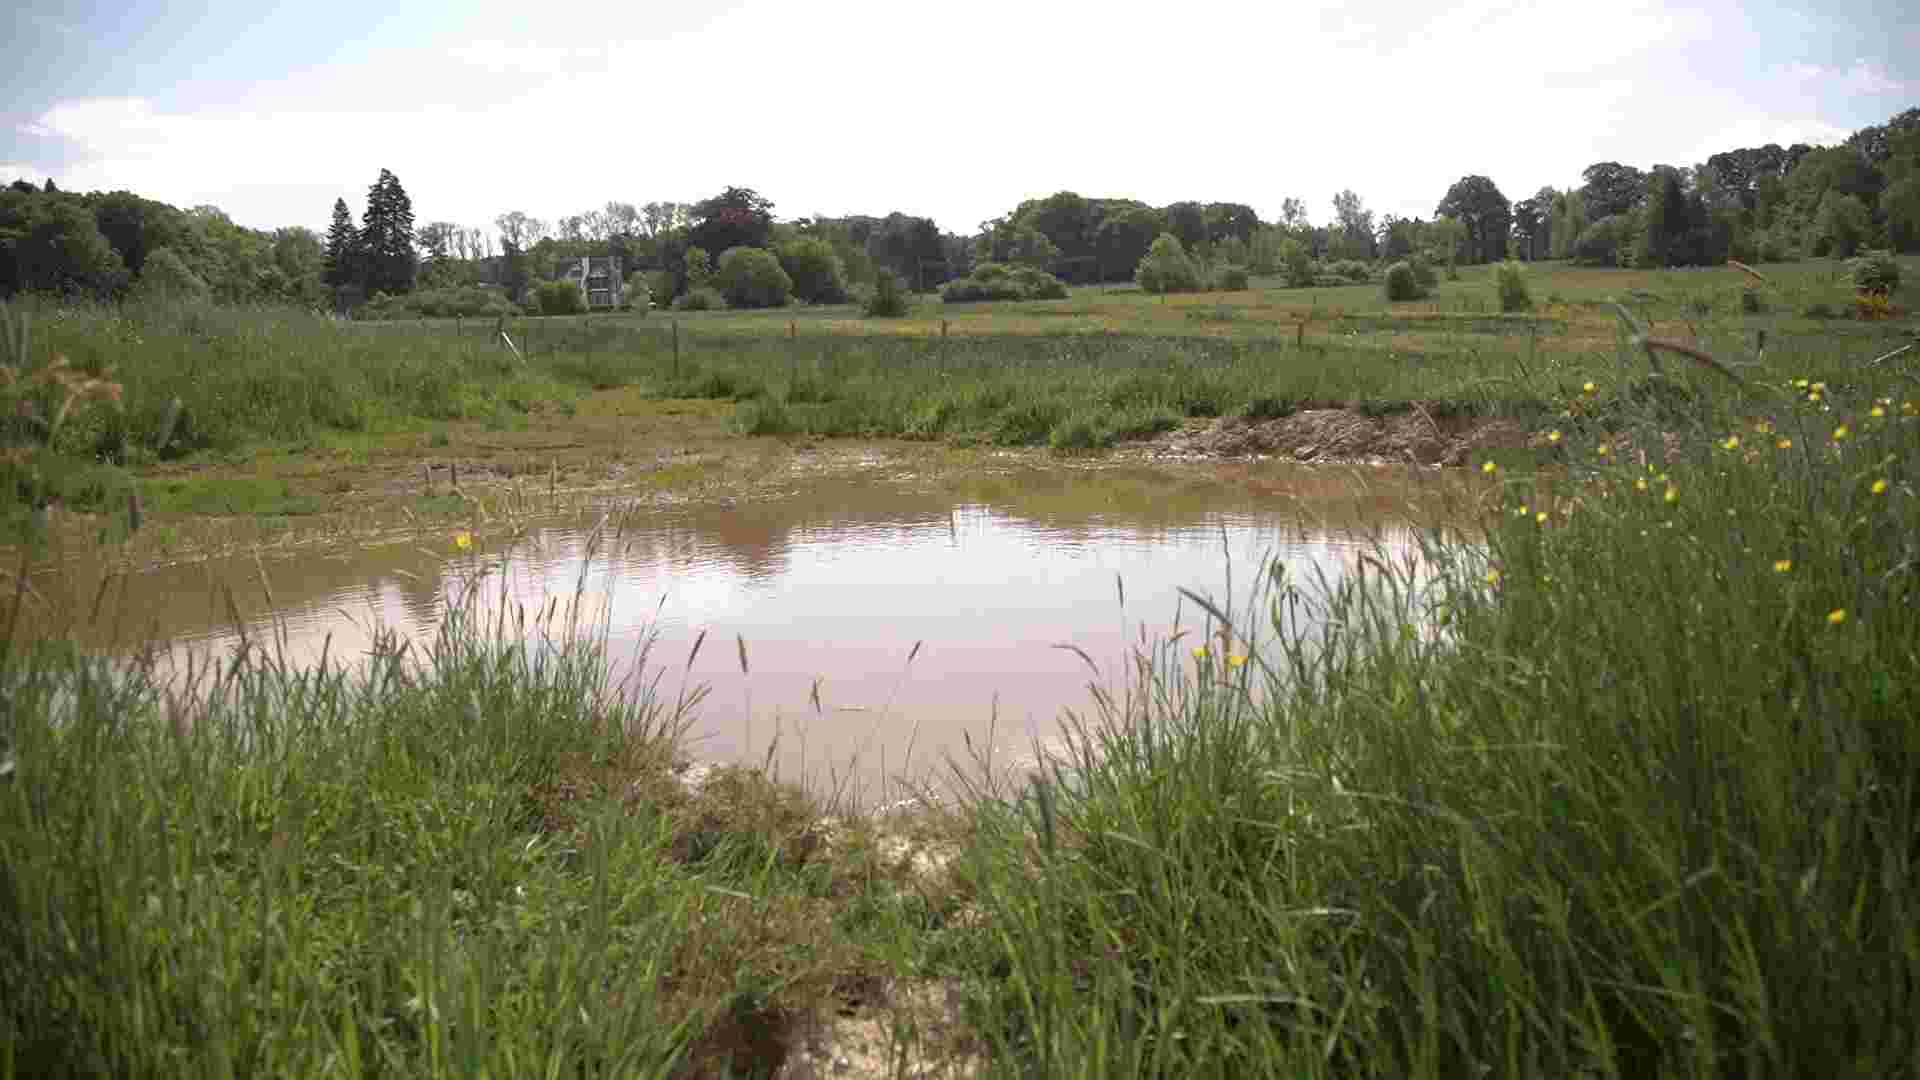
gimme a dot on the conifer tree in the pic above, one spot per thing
(386, 237)
(342, 252)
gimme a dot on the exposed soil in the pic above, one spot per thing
(1415, 437)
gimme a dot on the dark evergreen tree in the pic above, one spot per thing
(386, 238)
(1666, 239)
(513, 270)
(50, 189)
(341, 265)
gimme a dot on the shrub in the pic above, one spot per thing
(751, 277)
(819, 277)
(1352, 269)
(1513, 287)
(166, 276)
(661, 286)
(1402, 284)
(559, 298)
(889, 299)
(699, 268)
(1423, 274)
(1607, 242)
(1232, 278)
(1295, 264)
(1875, 272)
(1000, 281)
(1167, 268)
(639, 296)
(701, 299)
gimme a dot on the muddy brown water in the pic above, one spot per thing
(830, 583)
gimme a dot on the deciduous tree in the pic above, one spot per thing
(1478, 205)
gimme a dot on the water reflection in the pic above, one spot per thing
(830, 586)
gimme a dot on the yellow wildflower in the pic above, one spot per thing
(1493, 577)
(1540, 518)
(1553, 436)
(1589, 388)
(1236, 660)
(1781, 566)
(1879, 487)
(1819, 387)
(1640, 484)
(1877, 411)
(1801, 383)
(1731, 442)
(463, 540)
(1784, 444)
(1603, 449)
(1673, 494)
(1200, 653)
(1841, 432)
(1908, 408)
(1488, 467)
(1815, 396)
(1836, 616)
(1764, 427)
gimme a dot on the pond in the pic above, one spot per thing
(887, 621)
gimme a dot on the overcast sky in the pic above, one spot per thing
(956, 111)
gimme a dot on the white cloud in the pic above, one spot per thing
(861, 107)
(1867, 77)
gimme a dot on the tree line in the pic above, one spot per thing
(1767, 203)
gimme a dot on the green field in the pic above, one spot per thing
(1624, 788)
(1103, 366)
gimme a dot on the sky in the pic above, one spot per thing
(952, 111)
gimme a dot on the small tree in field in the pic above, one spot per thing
(819, 277)
(889, 298)
(1402, 284)
(1167, 267)
(1513, 288)
(699, 268)
(751, 277)
(1296, 263)
(639, 295)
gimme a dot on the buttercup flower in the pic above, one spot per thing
(1589, 388)
(1673, 494)
(1488, 467)
(1553, 436)
(1836, 616)
(463, 540)
(1841, 432)
(1879, 487)
(1781, 566)
(1783, 444)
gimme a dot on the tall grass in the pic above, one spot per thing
(472, 859)
(1629, 791)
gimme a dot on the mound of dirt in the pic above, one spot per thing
(1345, 435)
